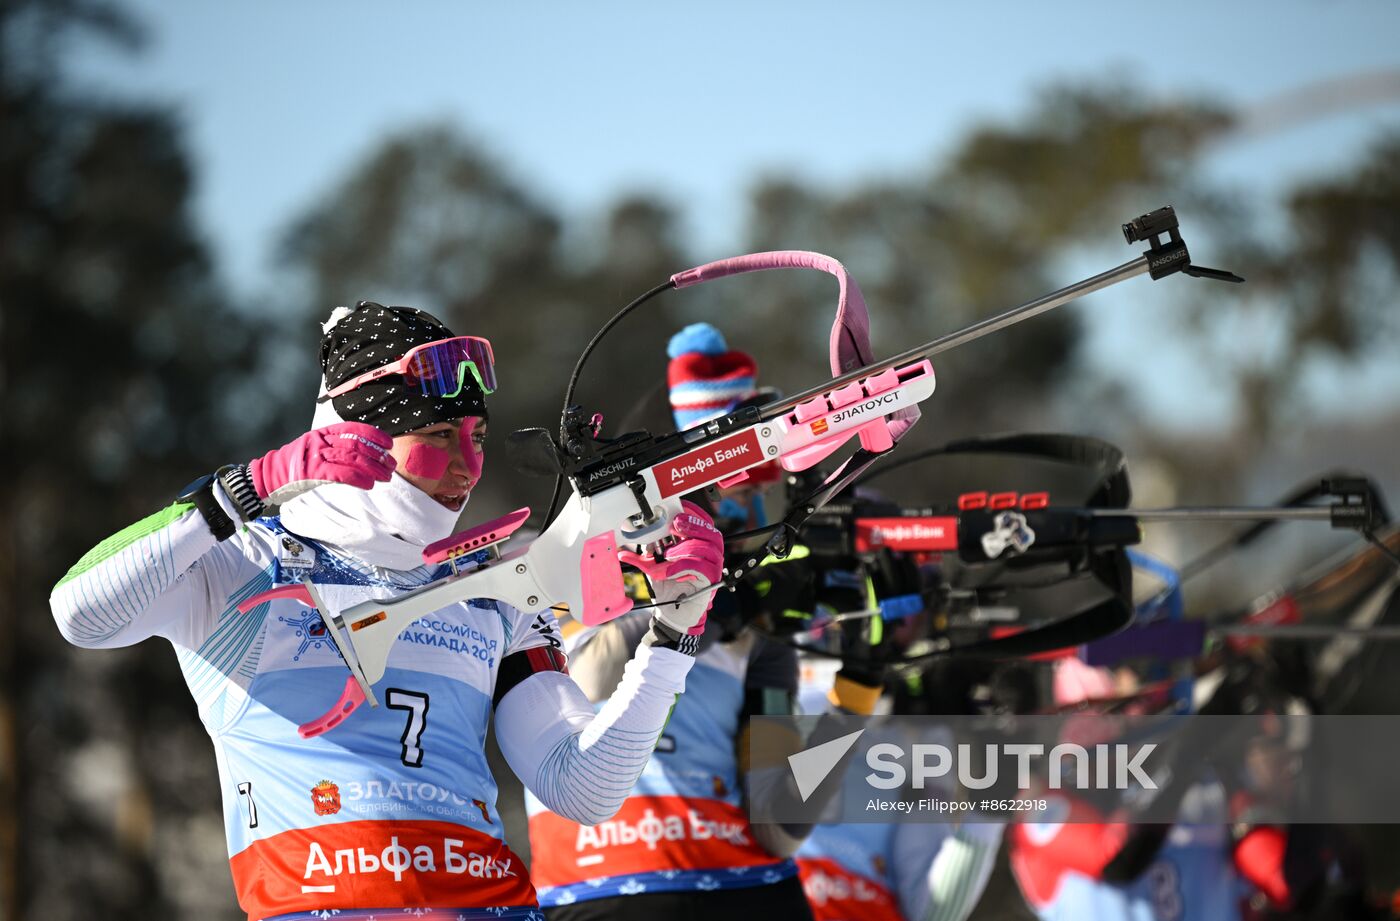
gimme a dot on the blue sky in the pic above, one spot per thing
(583, 101)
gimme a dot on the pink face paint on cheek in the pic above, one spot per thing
(471, 454)
(426, 461)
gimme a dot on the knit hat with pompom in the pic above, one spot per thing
(706, 379)
(369, 336)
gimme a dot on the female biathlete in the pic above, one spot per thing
(392, 807)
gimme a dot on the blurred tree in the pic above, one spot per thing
(114, 351)
(1328, 282)
(427, 217)
(1347, 229)
(625, 379)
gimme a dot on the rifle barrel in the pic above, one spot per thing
(1219, 513)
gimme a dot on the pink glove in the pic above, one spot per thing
(347, 452)
(686, 580)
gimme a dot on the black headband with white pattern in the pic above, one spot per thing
(371, 336)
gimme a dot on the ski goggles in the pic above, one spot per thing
(436, 368)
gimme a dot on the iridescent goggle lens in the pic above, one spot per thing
(440, 368)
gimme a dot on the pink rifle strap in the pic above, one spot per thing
(850, 331)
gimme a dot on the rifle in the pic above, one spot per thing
(626, 491)
(993, 537)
